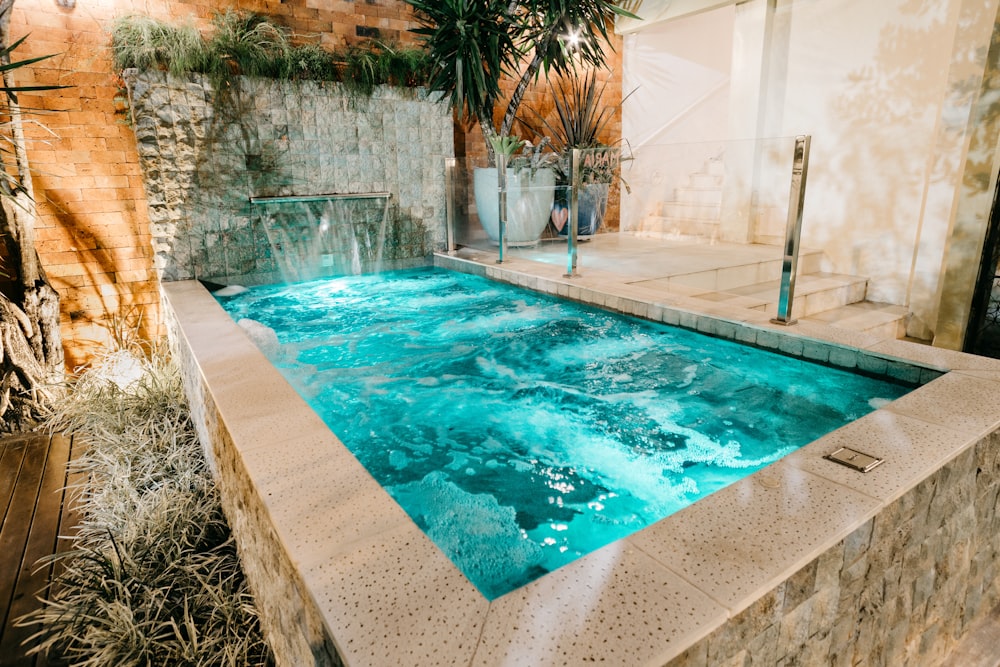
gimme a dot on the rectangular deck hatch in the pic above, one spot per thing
(853, 459)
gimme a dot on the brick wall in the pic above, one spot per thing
(93, 231)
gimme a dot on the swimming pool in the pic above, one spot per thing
(520, 431)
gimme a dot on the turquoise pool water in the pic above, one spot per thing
(520, 431)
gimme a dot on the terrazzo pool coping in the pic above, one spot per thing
(388, 595)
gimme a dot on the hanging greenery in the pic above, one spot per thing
(247, 44)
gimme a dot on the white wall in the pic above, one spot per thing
(676, 117)
(867, 81)
(889, 92)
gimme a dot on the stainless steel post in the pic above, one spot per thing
(793, 230)
(576, 178)
(502, 204)
(450, 165)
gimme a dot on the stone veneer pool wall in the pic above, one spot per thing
(204, 154)
(803, 562)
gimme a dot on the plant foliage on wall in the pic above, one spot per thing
(152, 577)
(247, 44)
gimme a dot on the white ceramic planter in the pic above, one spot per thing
(529, 202)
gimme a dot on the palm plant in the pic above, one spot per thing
(31, 357)
(580, 121)
(473, 44)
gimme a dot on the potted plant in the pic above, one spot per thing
(474, 44)
(579, 121)
(529, 185)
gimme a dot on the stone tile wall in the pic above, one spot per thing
(899, 590)
(204, 155)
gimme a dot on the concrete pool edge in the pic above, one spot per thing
(341, 571)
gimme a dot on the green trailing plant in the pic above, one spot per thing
(406, 67)
(361, 69)
(153, 576)
(142, 42)
(246, 44)
(310, 61)
(31, 356)
(374, 63)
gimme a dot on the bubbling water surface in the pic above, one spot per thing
(520, 431)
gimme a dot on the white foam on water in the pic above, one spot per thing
(522, 317)
(690, 373)
(879, 403)
(230, 290)
(263, 336)
(492, 368)
(586, 351)
(481, 535)
(398, 459)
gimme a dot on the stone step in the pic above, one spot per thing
(676, 209)
(676, 226)
(690, 195)
(815, 292)
(715, 167)
(879, 319)
(755, 280)
(703, 180)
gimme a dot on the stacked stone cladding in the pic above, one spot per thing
(205, 154)
(899, 590)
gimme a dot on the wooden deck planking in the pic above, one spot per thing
(11, 456)
(35, 473)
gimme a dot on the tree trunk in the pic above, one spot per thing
(31, 354)
(24, 386)
(530, 72)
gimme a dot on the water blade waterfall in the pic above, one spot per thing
(318, 236)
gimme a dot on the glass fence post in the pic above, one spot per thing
(576, 178)
(450, 166)
(502, 204)
(793, 230)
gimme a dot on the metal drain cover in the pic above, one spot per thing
(854, 460)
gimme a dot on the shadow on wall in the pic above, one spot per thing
(107, 290)
(893, 159)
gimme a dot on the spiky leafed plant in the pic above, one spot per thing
(247, 43)
(473, 44)
(580, 119)
(142, 42)
(579, 116)
(153, 576)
